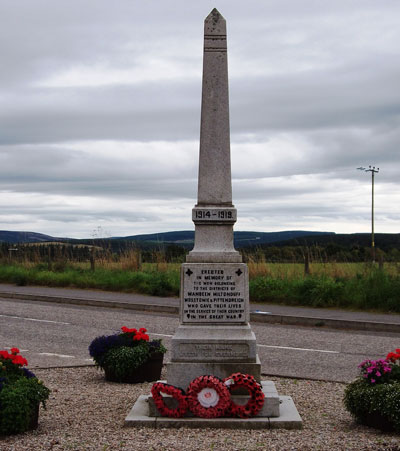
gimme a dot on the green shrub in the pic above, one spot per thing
(374, 405)
(18, 402)
(21, 393)
(374, 398)
(121, 354)
(125, 359)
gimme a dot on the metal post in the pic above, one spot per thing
(372, 218)
(372, 170)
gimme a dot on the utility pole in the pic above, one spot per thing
(373, 170)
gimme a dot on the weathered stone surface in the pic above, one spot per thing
(214, 344)
(214, 293)
(181, 374)
(214, 184)
(139, 414)
(214, 214)
(213, 244)
(289, 417)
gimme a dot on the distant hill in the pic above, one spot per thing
(384, 241)
(184, 238)
(242, 239)
(25, 237)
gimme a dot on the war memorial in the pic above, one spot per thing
(214, 336)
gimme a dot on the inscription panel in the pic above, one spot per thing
(219, 352)
(225, 215)
(214, 293)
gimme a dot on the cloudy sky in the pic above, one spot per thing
(100, 114)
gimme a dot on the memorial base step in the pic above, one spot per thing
(289, 418)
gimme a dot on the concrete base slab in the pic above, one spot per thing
(289, 418)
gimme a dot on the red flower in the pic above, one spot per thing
(19, 360)
(393, 356)
(5, 354)
(142, 330)
(14, 351)
(126, 330)
(140, 336)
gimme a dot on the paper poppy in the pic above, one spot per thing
(176, 392)
(256, 401)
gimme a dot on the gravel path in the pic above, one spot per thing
(85, 412)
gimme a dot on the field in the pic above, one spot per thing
(357, 286)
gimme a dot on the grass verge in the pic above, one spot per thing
(369, 288)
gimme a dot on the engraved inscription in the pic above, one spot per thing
(233, 350)
(214, 293)
(200, 215)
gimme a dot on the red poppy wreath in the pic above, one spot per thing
(175, 392)
(208, 397)
(256, 401)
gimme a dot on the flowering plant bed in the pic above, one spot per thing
(374, 398)
(128, 356)
(21, 394)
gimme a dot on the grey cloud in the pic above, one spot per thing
(313, 90)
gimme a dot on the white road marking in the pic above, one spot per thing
(299, 349)
(34, 319)
(277, 347)
(51, 354)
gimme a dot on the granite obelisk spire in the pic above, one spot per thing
(214, 335)
(214, 214)
(214, 183)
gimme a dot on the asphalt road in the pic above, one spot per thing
(58, 335)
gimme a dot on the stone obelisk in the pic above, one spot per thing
(214, 335)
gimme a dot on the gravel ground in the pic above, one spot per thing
(85, 412)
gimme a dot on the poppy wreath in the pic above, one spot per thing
(256, 401)
(176, 393)
(208, 397)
